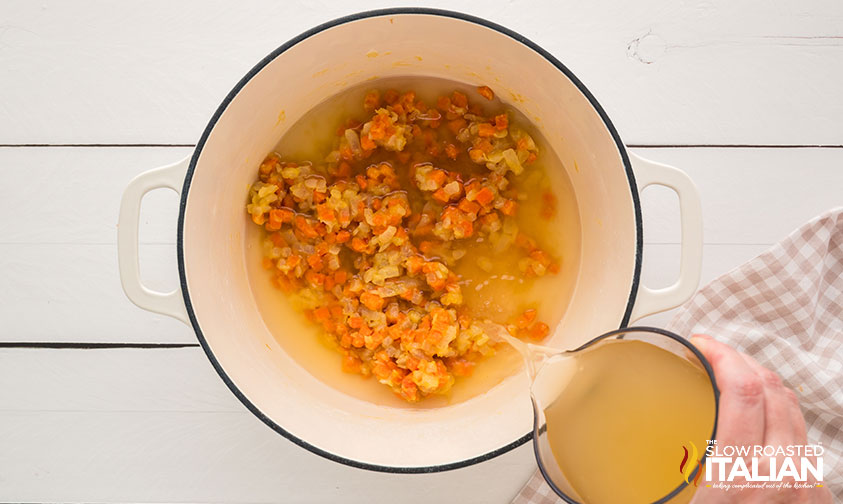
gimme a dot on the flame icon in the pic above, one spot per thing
(686, 467)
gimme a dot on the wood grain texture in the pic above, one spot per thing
(668, 72)
(160, 426)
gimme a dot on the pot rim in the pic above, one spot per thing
(242, 83)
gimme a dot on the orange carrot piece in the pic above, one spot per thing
(501, 122)
(456, 125)
(343, 236)
(509, 207)
(484, 196)
(459, 99)
(367, 143)
(538, 330)
(351, 364)
(485, 130)
(470, 207)
(372, 301)
(486, 92)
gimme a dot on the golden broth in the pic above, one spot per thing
(497, 291)
(618, 429)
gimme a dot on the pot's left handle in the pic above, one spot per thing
(650, 301)
(167, 303)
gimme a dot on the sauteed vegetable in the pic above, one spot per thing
(367, 241)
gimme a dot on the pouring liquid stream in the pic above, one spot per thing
(619, 416)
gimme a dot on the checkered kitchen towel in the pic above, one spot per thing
(785, 308)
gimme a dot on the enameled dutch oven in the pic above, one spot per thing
(215, 295)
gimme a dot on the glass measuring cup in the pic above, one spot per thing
(552, 373)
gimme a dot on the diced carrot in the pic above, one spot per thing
(351, 364)
(486, 92)
(484, 196)
(456, 125)
(462, 367)
(305, 226)
(274, 222)
(409, 390)
(467, 228)
(343, 169)
(441, 196)
(343, 236)
(469, 207)
(340, 277)
(526, 318)
(501, 122)
(372, 301)
(325, 213)
(358, 245)
(538, 330)
(540, 256)
(525, 242)
(484, 145)
(315, 262)
(413, 264)
(293, 261)
(532, 157)
(509, 207)
(476, 155)
(355, 322)
(367, 143)
(485, 130)
(313, 278)
(443, 103)
(267, 263)
(322, 312)
(426, 247)
(459, 99)
(438, 176)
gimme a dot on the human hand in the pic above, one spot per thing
(755, 409)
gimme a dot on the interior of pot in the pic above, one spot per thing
(215, 250)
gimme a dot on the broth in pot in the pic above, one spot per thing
(480, 237)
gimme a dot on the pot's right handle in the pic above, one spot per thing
(167, 303)
(650, 301)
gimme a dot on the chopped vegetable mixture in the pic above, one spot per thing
(365, 241)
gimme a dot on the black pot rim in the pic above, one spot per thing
(254, 71)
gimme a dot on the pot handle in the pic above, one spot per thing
(166, 303)
(650, 301)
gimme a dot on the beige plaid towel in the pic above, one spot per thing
(785, 308)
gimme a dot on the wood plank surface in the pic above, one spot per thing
(668, 72)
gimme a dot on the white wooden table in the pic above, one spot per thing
(100, 401)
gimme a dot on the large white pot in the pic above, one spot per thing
(215, 295)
